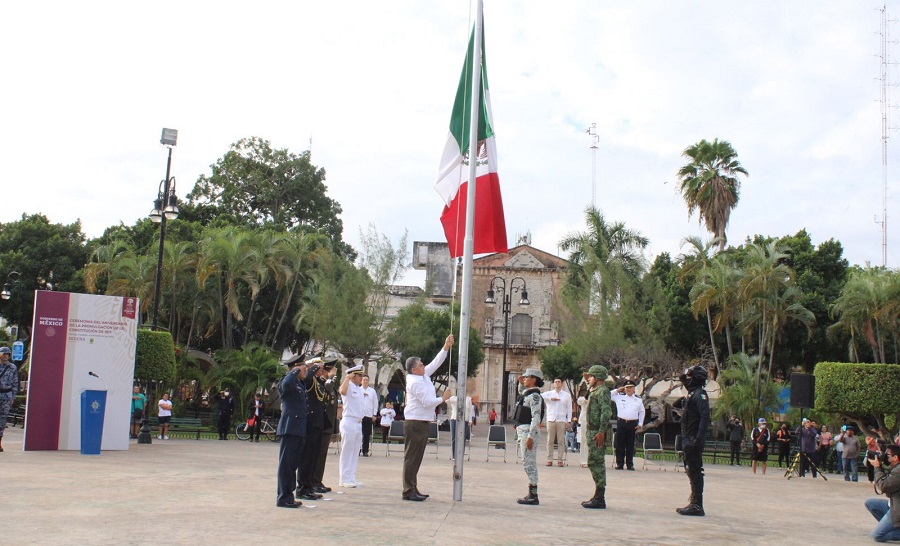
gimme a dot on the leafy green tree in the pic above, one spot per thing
(685, 332)
(259, 185)
(420, 331)
(45, 256)
(709, 184)
(821, 273)
(560, 361)
(862, 393)
(155, 358)
(338, 310)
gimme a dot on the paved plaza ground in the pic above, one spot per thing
(211, 492)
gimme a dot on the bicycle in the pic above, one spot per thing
(243, 432)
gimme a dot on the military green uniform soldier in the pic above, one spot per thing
(599, 412)
(528, 415)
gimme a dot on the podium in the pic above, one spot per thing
(93, 409)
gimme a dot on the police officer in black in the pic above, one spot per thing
(315, 422)
(225, 404)
(694, 422)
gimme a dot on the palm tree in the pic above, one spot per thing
(709, 184)
(692, 266)
(233, 260)
(716, 291)
(868, 306)
(739, 394)
(766, 276)
(606, 256)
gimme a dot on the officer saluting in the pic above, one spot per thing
(631, 419)
(694, 422)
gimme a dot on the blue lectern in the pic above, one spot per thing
(93, 408)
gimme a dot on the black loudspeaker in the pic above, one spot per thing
(803, 390)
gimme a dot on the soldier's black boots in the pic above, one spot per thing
(691, 510)
(598, 501)
(532, 497)
(694, 507)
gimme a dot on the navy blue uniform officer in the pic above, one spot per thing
(291, 430)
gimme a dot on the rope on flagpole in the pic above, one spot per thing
(455, 264)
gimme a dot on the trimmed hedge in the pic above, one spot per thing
(866, 389)
(155, 358)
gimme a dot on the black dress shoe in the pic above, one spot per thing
(414, 497)
(309, 495)
(422, 494)
(321, 489)
(620, 468)
(630, 468)
(295, 504)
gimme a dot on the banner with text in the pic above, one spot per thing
(73, 337)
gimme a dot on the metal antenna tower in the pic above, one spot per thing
(886, 105)
(595, 139)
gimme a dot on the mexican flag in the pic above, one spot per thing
(453, 177)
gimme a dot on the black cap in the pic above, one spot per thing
(329, 363)
(629, 383)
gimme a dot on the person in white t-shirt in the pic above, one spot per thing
(165, 415)
(387, 417)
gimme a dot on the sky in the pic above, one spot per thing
(369, 87)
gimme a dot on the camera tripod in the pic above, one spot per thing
(789, 473)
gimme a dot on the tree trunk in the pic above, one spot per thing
(728, 338)
(712, 339)
(772, 351)
(265, 339)
(248, 323)
(287, 306)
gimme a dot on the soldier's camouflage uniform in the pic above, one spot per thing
(532, 401)
(599, 412)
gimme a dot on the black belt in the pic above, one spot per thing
(4, 391)
(628, 420)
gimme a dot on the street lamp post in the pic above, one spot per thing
(507, 307)
(7, 286)
(165, 208)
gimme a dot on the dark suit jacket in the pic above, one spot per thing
(293, 406)
(331, 423)
(315, 387)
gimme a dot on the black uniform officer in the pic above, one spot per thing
(315, 422)
(330, 423)
(694, 422)
(225, 405)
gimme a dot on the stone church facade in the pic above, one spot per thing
(531, 327)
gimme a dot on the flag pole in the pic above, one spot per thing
(469, 245)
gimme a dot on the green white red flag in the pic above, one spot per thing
(453, 176)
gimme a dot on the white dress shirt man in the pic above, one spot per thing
(421, 401)
(351, 425)
(631, 411)
(559, 413)
(370, 416)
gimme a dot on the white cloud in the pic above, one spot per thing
(790, 84)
